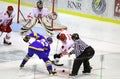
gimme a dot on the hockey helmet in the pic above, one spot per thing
(49, 39)
(75, 36)
(40, 4)
(10, 8)
(58, 36)
(62, 37)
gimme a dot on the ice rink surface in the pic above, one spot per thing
(102, 36)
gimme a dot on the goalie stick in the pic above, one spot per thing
(26, 31)
(45, 23)
(30, 28)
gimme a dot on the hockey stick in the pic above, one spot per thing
(48, 28)
(31, 26)
(53, 62)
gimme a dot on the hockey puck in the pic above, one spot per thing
(63, 70)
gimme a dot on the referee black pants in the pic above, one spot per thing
(83, 58)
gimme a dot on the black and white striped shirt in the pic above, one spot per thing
(79, 47)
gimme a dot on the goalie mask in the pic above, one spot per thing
(39, 4)
(10, 9)
(75, 36)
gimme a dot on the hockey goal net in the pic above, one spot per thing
(50, 4)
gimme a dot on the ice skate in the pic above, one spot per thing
(88, 71)
(6, 42)
(52, 72)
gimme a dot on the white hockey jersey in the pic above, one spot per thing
(6, 18)
(67, 45)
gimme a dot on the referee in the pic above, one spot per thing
(83, 53)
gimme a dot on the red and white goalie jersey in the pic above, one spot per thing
(36, 13)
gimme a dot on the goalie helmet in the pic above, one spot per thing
(49, 39)
(10, 10)
(40, 4)
(75, 36)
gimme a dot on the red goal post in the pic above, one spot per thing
(50, 4)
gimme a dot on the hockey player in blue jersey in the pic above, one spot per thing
(40, 47)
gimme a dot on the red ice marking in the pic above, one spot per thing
(63, 71)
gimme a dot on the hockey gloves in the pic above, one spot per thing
(57, 56)
(26, 38)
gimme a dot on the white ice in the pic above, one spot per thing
(102, 36)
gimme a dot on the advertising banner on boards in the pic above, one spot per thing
(117, 8)
(99, 6)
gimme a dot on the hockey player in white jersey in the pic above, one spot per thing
(42, 15)
(6, 18)
(67, 45)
